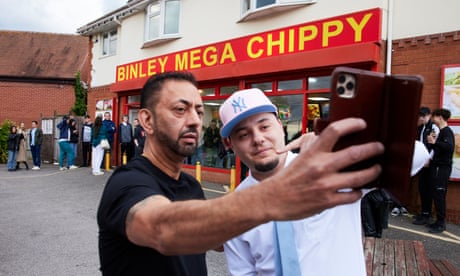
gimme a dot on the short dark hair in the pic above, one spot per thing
(424, 111)
(149, 93)
(444, 113)
(35, 122)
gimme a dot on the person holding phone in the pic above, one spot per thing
(328, 243)
(443, 146)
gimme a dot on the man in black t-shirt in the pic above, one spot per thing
(128, 185)
(152, 217)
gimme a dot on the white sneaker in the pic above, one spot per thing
(404, 212)
(62, 168)
(73, 167)
(395, 212)
(98, 173)
(35, 168)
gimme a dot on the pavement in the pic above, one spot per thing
(48, 224)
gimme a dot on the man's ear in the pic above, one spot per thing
(146, 120)
(227, 142)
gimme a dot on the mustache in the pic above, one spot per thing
(188, 131)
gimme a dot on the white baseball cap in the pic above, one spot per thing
(242, 104)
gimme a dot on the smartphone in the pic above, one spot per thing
(390, 106)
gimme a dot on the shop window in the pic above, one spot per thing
(264, 86)
(251, 9)
(228, 90)
(290, 113)
(134, 99)
(211, 152)
(290, 85)
(162, 21)
(315, 83)
(318, 107)
(109, 43)
(208, 92)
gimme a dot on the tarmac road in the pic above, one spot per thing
(48, 224)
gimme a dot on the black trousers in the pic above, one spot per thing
(86, 149)
(424, 189)
(127, 148)
(439, 176)
(375, 207)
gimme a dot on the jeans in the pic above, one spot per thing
(65, 150)
(73, 146)
(11, 164)
(35, 150)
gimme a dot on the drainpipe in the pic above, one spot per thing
(389, 36)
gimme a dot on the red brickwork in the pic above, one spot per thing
(425, 55)
(32, 101)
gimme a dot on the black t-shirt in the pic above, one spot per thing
(127, 186)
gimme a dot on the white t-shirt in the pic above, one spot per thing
(329, 243)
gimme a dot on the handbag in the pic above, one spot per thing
(105, 144)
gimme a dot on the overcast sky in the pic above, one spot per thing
(53, 16)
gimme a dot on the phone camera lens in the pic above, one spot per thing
(342, 78)
(340, 90)
(350, 85)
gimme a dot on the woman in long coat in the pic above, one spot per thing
(22, 152)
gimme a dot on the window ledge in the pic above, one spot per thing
(272, 9)
(160, 40)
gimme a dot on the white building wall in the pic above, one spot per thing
(207, 21)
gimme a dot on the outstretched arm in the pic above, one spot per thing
(310, 184)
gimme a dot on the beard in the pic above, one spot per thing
(267, 166)
(184, 150)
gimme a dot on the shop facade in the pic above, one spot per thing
(291, 63)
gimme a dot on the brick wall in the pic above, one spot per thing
(32, 101)
(425, 55)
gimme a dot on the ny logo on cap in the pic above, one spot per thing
(238, 103)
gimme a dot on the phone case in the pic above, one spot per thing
(390, 105)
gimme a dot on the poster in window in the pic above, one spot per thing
(313, 111)
(450, 89)
(103, 106)
(455, 175)
(284, 112)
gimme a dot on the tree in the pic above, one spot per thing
(79, 108)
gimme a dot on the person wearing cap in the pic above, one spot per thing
(152, 218)
(425, 129)
(327, 243)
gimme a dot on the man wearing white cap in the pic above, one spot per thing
(328, 243)
(152, 217)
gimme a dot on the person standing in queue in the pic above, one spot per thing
(111, 130)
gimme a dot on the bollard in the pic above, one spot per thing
(232, 178)
(107, 160)
(198, 171)
(125, 158)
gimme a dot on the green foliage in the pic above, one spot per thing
(79, 108)
(4, 132)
